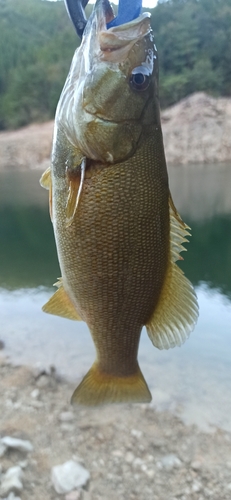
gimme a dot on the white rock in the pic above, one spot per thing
(11, 481)
(69, 476)
(78, 459)
(23, 464)
(137, 434)
(35, 393)
(207, 492)
(170, 461)
(74, 495)
(150, 473)
(3, 448)
(17, 444)
(12, 496)
(129, 457)
(137, 462)
(196, 487)
(36, 404)
(117, 453)
(196, 465)
(66, 416)
(86, 495)
(43, 381)
(228, 486)
(67, 427)
(17, 405)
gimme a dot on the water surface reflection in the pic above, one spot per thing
(193, 380)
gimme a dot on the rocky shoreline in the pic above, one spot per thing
(195, 130)
(48, 450)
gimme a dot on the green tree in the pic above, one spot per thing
(37, 42)
(193, 39)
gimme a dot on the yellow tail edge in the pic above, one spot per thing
(99, 388)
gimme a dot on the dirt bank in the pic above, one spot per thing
(131, 452)
(196, 130)
(27, 148)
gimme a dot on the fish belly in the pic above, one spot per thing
(114, 255)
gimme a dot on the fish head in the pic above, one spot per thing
(110, 99)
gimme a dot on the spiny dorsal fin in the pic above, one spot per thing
(177, 310)
(61, 305)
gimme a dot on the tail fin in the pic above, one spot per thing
(98, 388)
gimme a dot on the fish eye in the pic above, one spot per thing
(140, 78)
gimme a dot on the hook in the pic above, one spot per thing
(75, 9)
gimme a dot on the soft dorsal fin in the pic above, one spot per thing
(177, 310)
(60, 305)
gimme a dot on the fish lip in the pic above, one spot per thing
(120, 36)
(97, 28)
(130, 24)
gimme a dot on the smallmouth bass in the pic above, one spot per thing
(117, 231)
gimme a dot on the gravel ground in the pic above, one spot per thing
(131, 452)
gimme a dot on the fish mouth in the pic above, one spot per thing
(112, 38)
(110, 45)
(116, 38)
(116, 42)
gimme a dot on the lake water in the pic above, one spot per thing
(192, 381)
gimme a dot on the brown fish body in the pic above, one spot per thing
(114, 255)
(114, 246)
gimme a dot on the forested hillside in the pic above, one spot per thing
(194, 43)
(37, 41)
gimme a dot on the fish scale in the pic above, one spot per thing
(117, 212)
(117, 231)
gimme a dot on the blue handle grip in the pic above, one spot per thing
(127, 11)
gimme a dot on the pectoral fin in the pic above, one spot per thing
(75, 189)
(61, 305)
(177, 310)
(45, 180)
(46, 183)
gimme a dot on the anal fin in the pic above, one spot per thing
(176, 313)
(177, 309)
(60, 305)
